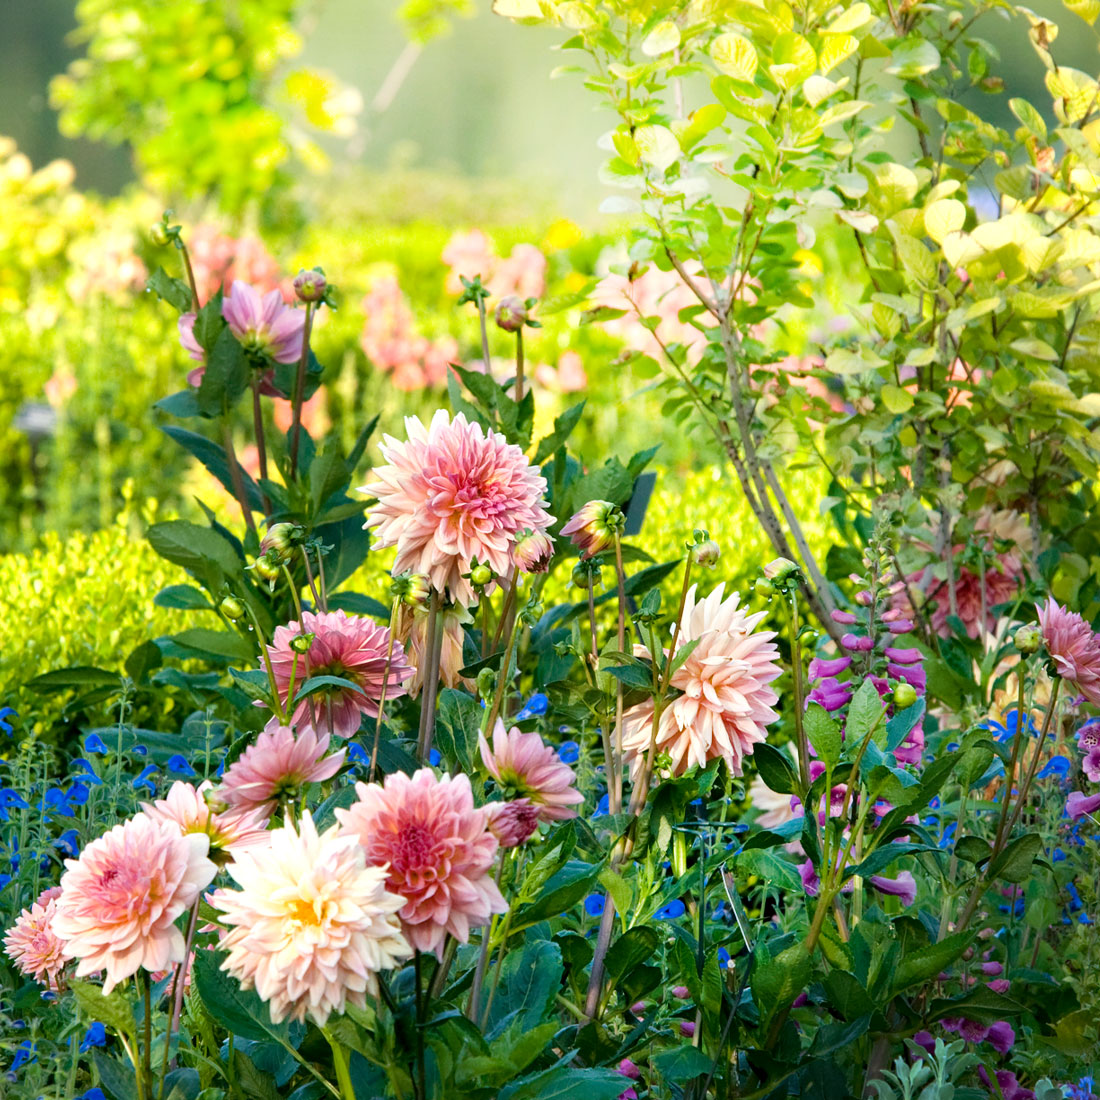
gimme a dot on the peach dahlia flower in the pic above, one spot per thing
(120, 900)
(452, 493)
(33, 944)
(725, 703)
(311, 924)
(186, 807)
(436, 848)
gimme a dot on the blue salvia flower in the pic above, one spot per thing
(357, 755)
(536, 706)
(95, 1036)
(69, 844)
(5, 714)
(84, 769)
(593, 905)
(140, 750)
(11, 800)
(93, 743)
(24, 1055)
(602, 808)
(1007, 730)
(569, 753)
(144, 779)
(92, 1094)
(179, 765)
(434, 758)
(674, 909)
(1056, 765)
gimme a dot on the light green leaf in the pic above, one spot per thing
(735, 56)
(657, 145)
(896, 399)
(664, 37)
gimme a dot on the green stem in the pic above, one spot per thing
(299, 388)
(340, 1062)
(261, 442)
(382, 695)
(505, 666)
(430, 687)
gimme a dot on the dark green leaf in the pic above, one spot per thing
(566, 1083)
(923, 963)
(79, 677)
(529, 981)
(864, 712)
(226, 376)
(215, 643)
(458, 723)
(142, 660)
(204, 553)
(899, 727)
(183, 597)
(239, 1011)
(115, 1076)
(212, 456)
(562, 891)
(682, 1064)
(1014, 863)
(171, 290)
(775, 769)
(563, 428)
(636, 945)
(973, 849)
(183, 404)
(113, 1010)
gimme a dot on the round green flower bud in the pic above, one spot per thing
(301, 643)
(158, 234)
(266, 568)
(480, 576)
(232, 608)
(905, 695)
(705, 553)
(764, 588)
(1028, 639)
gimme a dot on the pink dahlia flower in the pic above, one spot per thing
(120, 900)
(593, 528)
(187, 808)
(186, 325)
(533, 551)
(453, 493)
(347, 646)
(525, 767)
(33, 944)
(1073, 647)
(264, 326)
(726, 703)
(436, 848)
(311, 924)
(513, 823)
(277, 766)
(412, 630)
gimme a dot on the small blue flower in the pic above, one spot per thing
(84, 769)
(49, 995)
(1056, 765)
(95, 1036)
(602, 808)
(4, 880)
(674, 909)
(178, 764)
(1058, 855)
(77, 794)
(93, 743)
(24, 1055)
(143, 780)
(140, 750)
(434, 758)
(569, 753)
(5, 714)
(92, 1094)
(68, 844)
(593, 905)
(537, 705)
(723, 958)
(358, 755)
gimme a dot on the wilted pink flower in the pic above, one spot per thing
(533, 551)
(343, 645)
(186, 807)
(525, 767)
(592, 528)
(264, 326)
(277, 766)
(1073, 647)
(33, 944)
(120, 900)
(437, 849)
(311, 924)
(726, 703)
(411, 629)
(453, 493)
(513, 822)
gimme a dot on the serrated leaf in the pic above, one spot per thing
(1015, 862)
(823, 732)
(113, 1010)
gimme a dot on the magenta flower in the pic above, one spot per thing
(1091, 764)
(436, 848)
(264, 326)
(903, 887)
(452, 493)
(346, 646)
(513, 823)
(1001, 1037)
(1073, 647)
(525, 767)
(1079, 804)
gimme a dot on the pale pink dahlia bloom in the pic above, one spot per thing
(120, 900)
(277, 766)
(311, 924)
(33, 944)
(347, 646)
(186, 807)
(525, 767)
(186, 326)
(453, 493)
(726, 703)
(265, 326)
(436, 848)
(1073, 647)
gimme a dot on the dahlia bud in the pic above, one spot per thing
(511, 314)
(512, 823)
(280, 540)
(412, 589)
(533, 551)
(705, 553)
(764, 588)
(585, 575)
(905, 695)
(310, 286)
(158, 234)
(595, 526)
(1028, 639)
(266, 568)
(214, 800)
(301, 643)
(780, 569)
(231, 608)
(486, 683)
(480, 576)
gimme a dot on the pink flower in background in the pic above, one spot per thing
(60, 387)
(186, 807)
(568, 377)
(315, 418)
(343, 645)
(106, 265)
(120, 900)
(1078, 804)
(726, 703)
(412, 630)
(266, 326)
(451, 493)
(470, 253)
(1091, 764)
(311, 924)
(437, 850)
(513, 822)
(903, 887)
(522, 274)
(279, 764)
(1073, 647)
(525, 767)
(218, 260)
(33, 944)
(391, 342)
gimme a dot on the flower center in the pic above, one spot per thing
(413, 847)
(306, 911)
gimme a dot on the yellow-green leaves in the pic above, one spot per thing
(664, 38)
(942, 217)
(793, 60)
(657, 145)
(853, 18)
(836, 49)
(913, 57)
(735, 56)
(896, 399)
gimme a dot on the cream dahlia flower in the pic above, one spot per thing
(187, 808)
